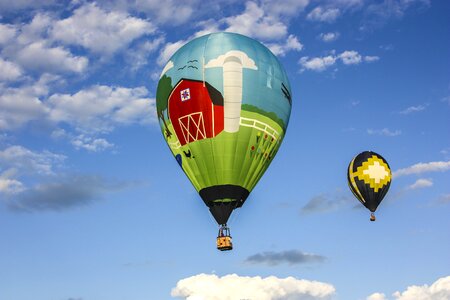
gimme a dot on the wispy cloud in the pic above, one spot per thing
(412, 109)
(205, 286)
(348, 57)
(323, 14)
(420, 183)
(290, 257)
(384, 132)
(325, 203)
(419, 168)
(329, 36)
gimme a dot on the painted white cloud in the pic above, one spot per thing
(322, 14)
(246, 61)
(212, 287)
(419, 168)
(100, 31)
(384, 132)
(99, 108)
(254, 22)
(420, 183)
(329, 36)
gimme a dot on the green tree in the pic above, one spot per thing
(162, 99)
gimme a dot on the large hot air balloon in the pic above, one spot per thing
(369, 178)
(223, 102)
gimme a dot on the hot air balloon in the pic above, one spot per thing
(369, 178)
(223, 102)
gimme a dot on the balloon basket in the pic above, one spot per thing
(372, 217)
(224, 242)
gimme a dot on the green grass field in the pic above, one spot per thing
(231, 158)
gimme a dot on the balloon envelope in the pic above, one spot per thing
(223, 103)
(369, 178)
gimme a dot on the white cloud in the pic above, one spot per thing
(369, 58)
(413, 109)
(377, 296)
(99, 108)
(7, 33)
(254, 22)
(7, 6)
(420, 183)
(384, 132)
(138, 56)
(204, 286)
(91, 144)
(168, 50)
(100, 31)
(25, 161)
(350, 57)
(8, 185)
(23, 104)
(329, 36)
(292, 43)
(171, 12)
(10, 71)
(439, 290)
(435, 166)
(40, 57)
(322, 14)
(318, 64)
(284, 8)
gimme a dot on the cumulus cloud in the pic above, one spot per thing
(420, 183)
(329, 36)
(419, 168)
(100, 108)
(384, 132)
(350, 57)
(291, 257)
(377, 296)
(90, 143)
(40, 57)
(322, 14)
(292, 43)
(65, 193)
(254, 22)
(26, 161)
(10, 71)
(163, 11)
(21, 105)
(438, 290)
(319, 64)
(9, 185)
(168, 50)
(100, 31)
(204, 286)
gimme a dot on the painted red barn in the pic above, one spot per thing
(195, 110)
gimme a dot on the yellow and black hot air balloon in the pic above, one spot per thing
(369, 178)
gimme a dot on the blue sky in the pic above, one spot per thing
(93, 206)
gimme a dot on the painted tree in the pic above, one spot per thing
(162, 94)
